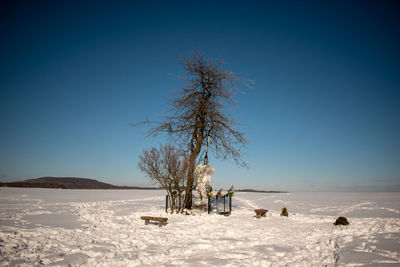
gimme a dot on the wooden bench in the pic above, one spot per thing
(160, 220)
(260, 213)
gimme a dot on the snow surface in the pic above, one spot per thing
(103, 228)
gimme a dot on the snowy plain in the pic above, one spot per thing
(103, 228)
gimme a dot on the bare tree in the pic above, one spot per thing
(197, 119)
(168, 167)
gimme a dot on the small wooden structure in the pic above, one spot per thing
(260, 213)
(160, 220)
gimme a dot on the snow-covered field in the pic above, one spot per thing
(103, 228)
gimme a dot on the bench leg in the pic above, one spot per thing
(258, 216)
(160, 223)
(264, 215)
(146, 222)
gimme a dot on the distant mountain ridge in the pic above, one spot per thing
(69, 183)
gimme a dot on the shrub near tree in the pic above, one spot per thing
(168, 167)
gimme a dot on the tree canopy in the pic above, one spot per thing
(197, 113)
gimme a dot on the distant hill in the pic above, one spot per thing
(85, 183)
(69, 183)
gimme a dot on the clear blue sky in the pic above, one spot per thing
(324, 113)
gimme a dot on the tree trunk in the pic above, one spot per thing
(171, 202)
(190, 181)
(179, 208)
